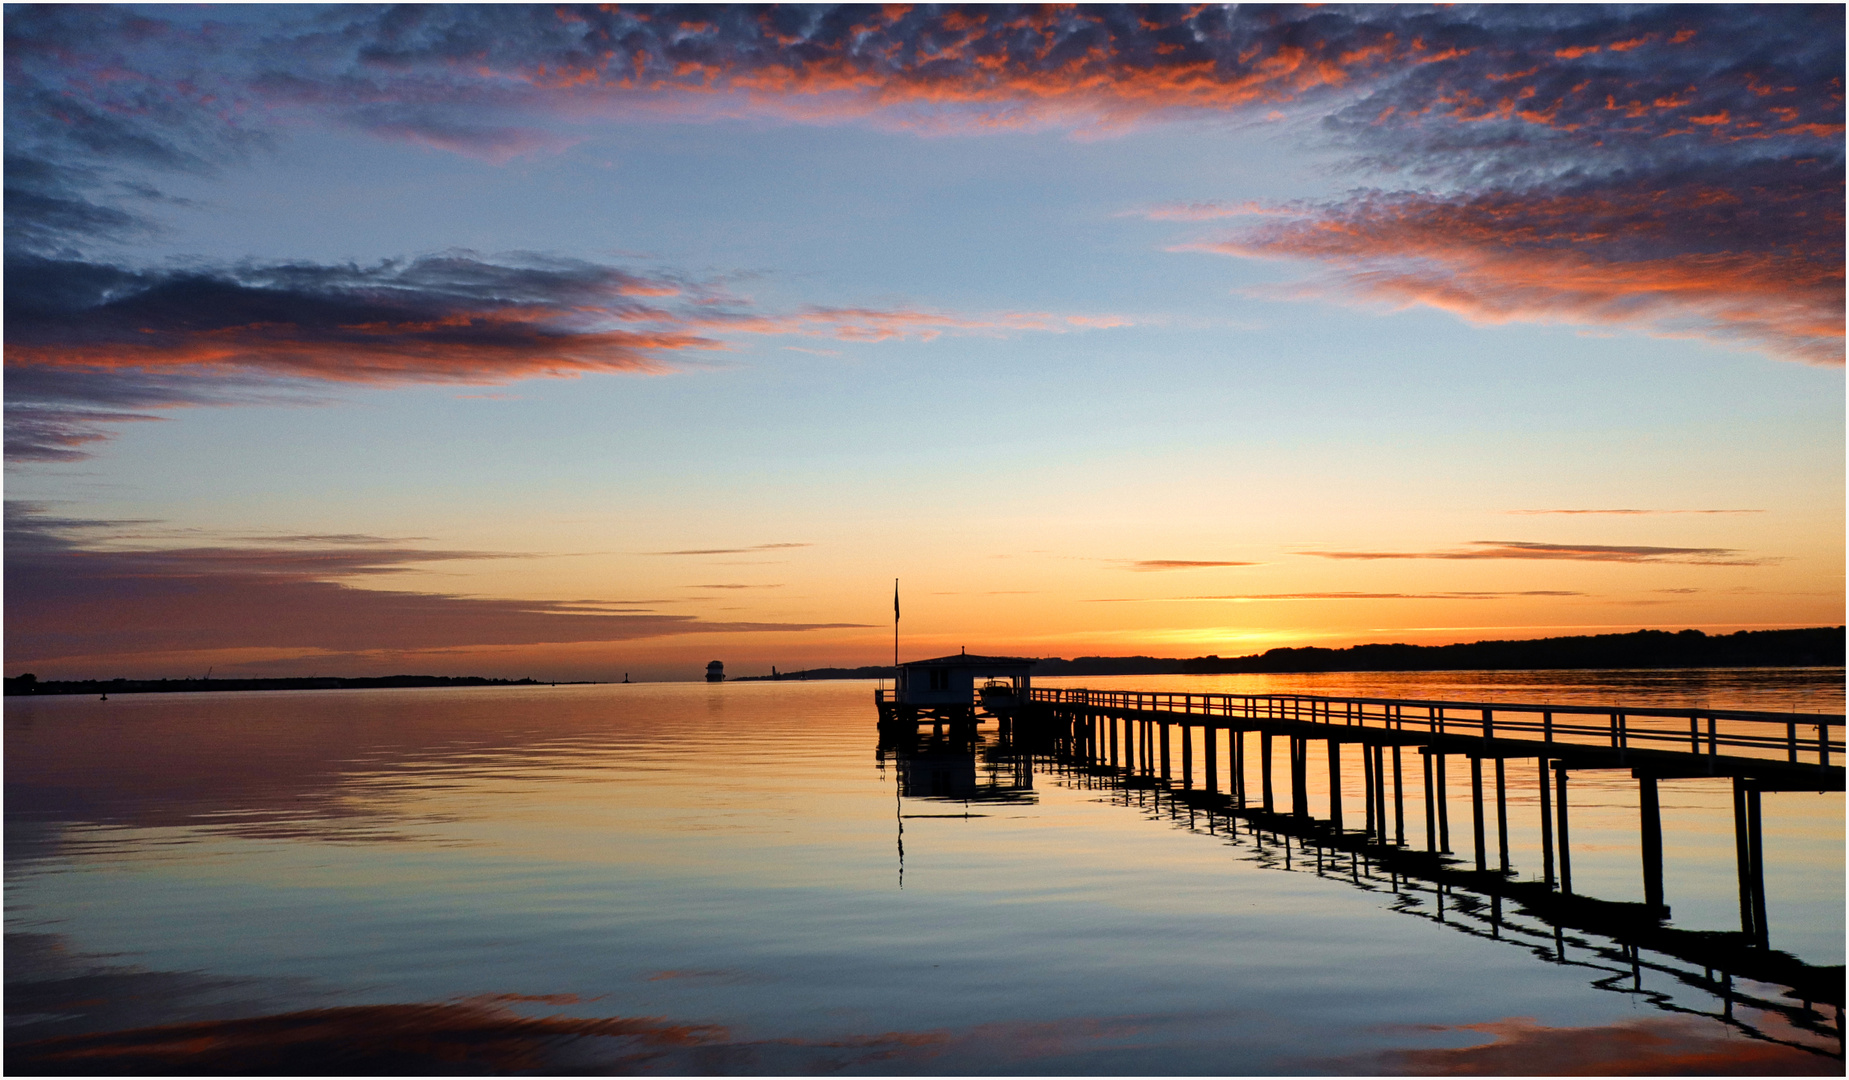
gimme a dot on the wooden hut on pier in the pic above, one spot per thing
(945, 688)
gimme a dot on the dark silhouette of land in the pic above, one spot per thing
(1052, 665)
(1820, 646)
(1811, 647)
(1814, 647)
(30, 684)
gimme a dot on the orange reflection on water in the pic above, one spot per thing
(467, 1036)
(1653, 1046)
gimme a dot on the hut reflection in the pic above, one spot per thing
(956, 766)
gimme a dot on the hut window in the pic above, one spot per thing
(940, 679)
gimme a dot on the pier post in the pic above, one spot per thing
(1111, 721)
(1502, 816)
(1650, 827)
(1290, 747)
(1367, 788)
(1399, 801)
(1236, 763)
(1187, 757)
(1444, 809)
(1476, 810)
(1299, 776)
(1744, 859)
(1213, 759)
(1756, 848)
(1431, 820)
(1335, 785)
(1380, 792)
(1547, 826)
(1165, 751)
(1264, 765)
(1560, 808)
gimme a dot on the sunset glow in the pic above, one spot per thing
(571, 342)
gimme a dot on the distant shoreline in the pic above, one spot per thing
(1810, 647)
(1821, 646)
(19, 686)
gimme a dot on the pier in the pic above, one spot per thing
(1152, 736)
(1237, 766)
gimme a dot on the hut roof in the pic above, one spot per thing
(972, 660)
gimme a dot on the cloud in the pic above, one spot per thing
(496, 144)
(779, 586)
(1146, 565)
(1748, 257)
(1633, 511)
(90, 344)
(901, 67)
(1442, 84)
(1524, 549)
(874, 325)
(443, 318)
(76, 588)
(35, 433)
(730, 551)
(1343, 596)
(1207, 210)
(1536, 95)
(1672, 170)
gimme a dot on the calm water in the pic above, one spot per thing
(694, 878)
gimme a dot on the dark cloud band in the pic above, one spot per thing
(71, 595)
(1527, 549)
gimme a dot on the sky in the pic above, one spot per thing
(574, 342)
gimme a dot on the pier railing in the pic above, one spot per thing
(1809, 738)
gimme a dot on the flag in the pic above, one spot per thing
(895, 599)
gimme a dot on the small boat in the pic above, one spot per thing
(998, 697)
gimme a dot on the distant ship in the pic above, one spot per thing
(715, 672)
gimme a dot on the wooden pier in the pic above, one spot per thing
(1161, 753)
(1140, 732)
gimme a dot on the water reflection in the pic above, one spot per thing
(946, 766)
(426, 881)
(1651, 1046)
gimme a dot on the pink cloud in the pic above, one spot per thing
(1684, 262)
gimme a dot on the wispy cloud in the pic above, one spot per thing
(1146, 565)
(77, 588)
(1525, 549)
(90, 345)
(1339, 596)
(1633, 511)
(1747, 256)
(729, 551)
(777, 586)
(1206, 210)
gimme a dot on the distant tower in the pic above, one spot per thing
(715, 672)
